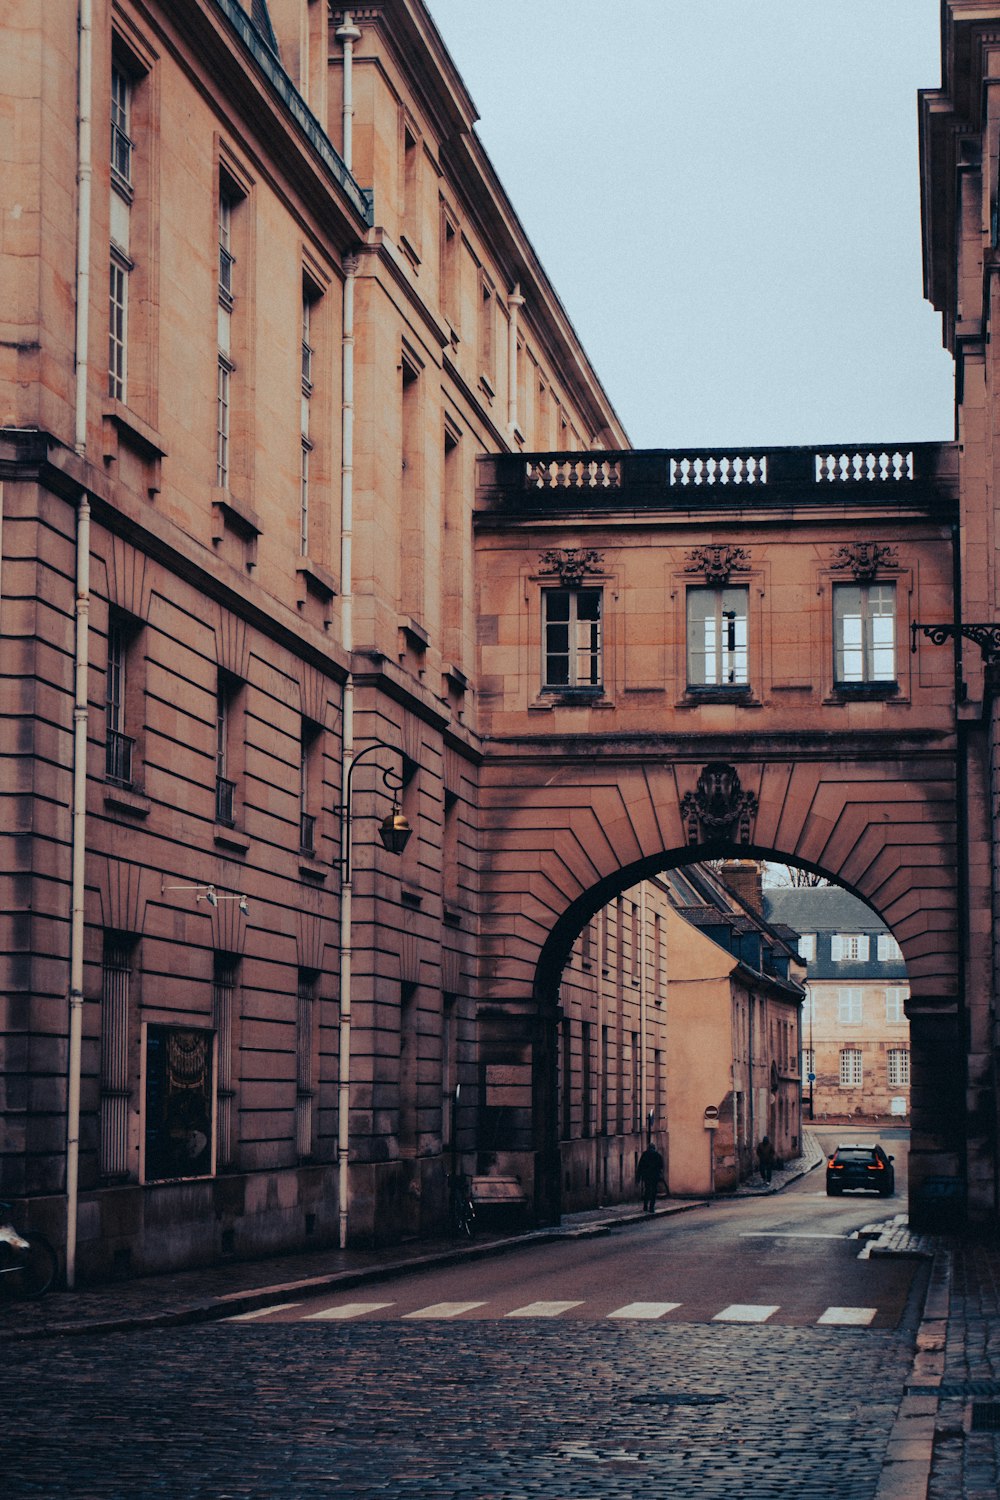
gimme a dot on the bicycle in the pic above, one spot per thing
(28, 1262)
(462, 1211)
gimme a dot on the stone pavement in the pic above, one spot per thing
(945, 1437)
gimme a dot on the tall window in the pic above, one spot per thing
(572, 644)
(895, 998)
(310, 783)
(223, 398)
(899, 1068)
(307, 390)
(849, 947)
(850, 1068)
(121, 203)
(808, 1062)
(226, 693)
(807, 947)
(305, 1066)
(115, 979)
(864, 621)
(118, 745)
(849, 1007)
(717, 637)
(224, 1021)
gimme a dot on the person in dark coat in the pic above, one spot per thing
(649, 1170)
(765, 1156)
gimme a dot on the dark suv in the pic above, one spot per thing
(860, 1167)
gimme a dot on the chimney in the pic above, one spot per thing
(744, 877)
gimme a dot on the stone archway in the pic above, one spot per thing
(565, 835)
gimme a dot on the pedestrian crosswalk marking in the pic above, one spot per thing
(350, 1310)
(644, 1310)
(542, 1309)
(745, 1312)
(444, 1309)
(262, 1312)
(848, 1317)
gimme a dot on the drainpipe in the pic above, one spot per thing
(642, 1005)
(347, 630)
(81, 652)
(514, 302)
(347, 35)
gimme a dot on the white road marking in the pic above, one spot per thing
(542, 1309)
(261, 1312)
(772, 1234)
(744, 1312)
(848, 1317)
(444, 1309)
(349, 1310)
(644, 1310)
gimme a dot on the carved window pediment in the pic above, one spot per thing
(570, 564)
(865, 560)
(717, 562)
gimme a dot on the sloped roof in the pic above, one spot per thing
(821, 908)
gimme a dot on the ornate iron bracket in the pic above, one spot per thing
(985, 636)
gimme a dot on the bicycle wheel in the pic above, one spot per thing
(37, 1269)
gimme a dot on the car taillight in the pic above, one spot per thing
(875, 1166)
(836, 1166)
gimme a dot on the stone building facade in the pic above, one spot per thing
(262, 310)
(855, 1035)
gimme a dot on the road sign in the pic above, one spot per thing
(811, 1077)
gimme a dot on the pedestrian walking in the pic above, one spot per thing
(765, 1157)
(648, 1171)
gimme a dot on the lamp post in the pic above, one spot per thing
(394, 832)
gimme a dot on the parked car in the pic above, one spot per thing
(860, 1167)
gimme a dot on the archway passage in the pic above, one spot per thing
(610, 757)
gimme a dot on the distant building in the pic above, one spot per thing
(680, 1004)
(855, 1034)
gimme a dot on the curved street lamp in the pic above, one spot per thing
(394, 833)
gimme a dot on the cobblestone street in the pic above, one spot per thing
(478, 1410)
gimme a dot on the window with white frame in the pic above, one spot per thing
(888, 950)
(864, 620)
(717, 637)
(807, 947)
(306, 449)
(850, 1068)
(899, 1068)
(849, 947)
(120, 265)
(808, 1005)
(849, 1006)
(572, 638)
(895, 999)
(121, 141)
(225, 368)
(808, 1062)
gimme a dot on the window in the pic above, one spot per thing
(307, 389)
(850, 1068)
(450, 272)
(486, 339)
(808, 1005)
(226, 698)
(224, 1020)
(889, 951)
(118, 745)
(864, 618)
(224, 393)
(178, 1103)
(849, 1007)
(116, 967)
(305, 1065)
(808, 1062)
(310, 783)
(895, 999)
(571, 625)
(849, 947)
(121, 143)
(118, 326)
(807, 947)
(899, 1068)
(717, 637)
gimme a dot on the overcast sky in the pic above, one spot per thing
(725, 196)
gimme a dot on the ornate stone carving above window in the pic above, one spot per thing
(718, 807)
(865, 560)
(570, 564)
(717, 562)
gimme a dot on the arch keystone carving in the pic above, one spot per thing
(718, 807)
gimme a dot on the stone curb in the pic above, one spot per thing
(906, 1468)
(231, 1304)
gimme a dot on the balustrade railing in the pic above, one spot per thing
(660, 476)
